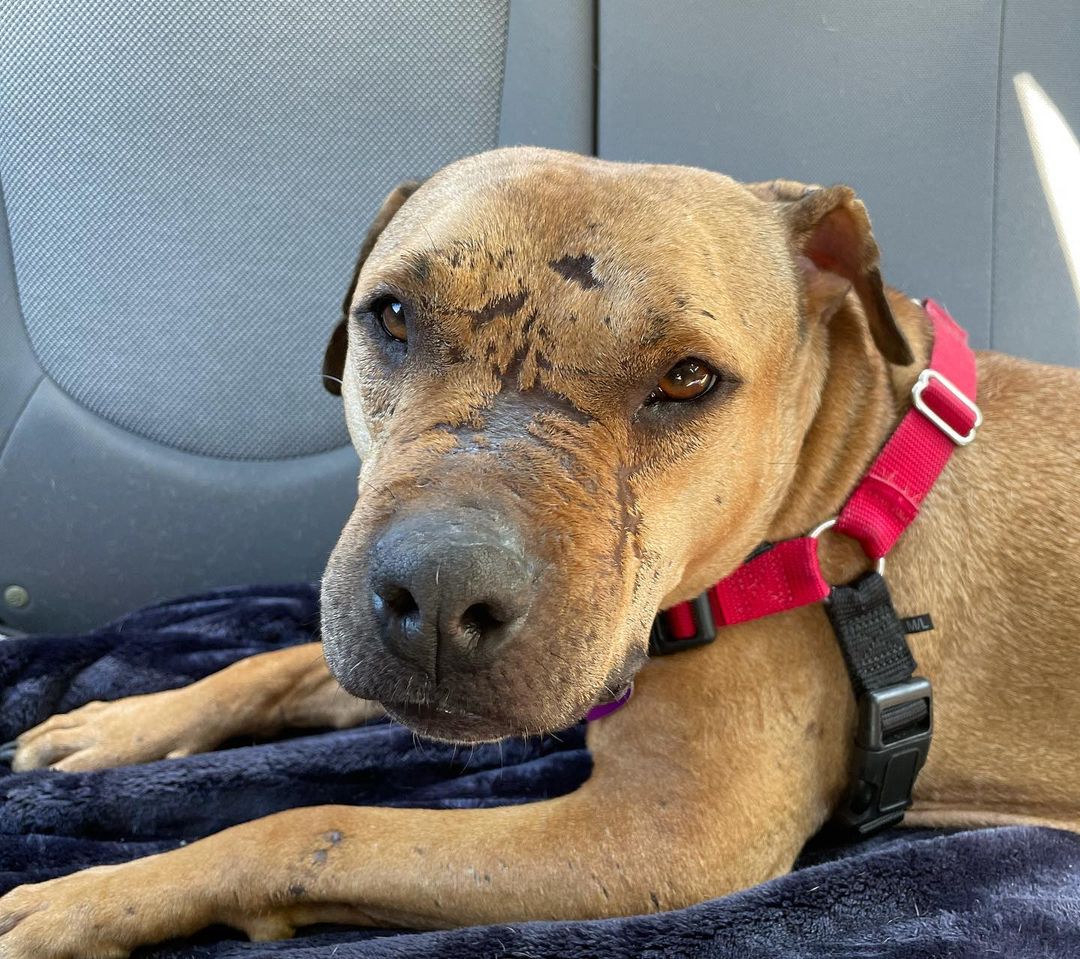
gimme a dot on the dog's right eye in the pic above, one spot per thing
(688, 380)
(391, 316)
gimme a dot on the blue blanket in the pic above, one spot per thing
(1002, 892)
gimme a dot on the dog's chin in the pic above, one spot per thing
(464, 715)
(439, 715)
(449, 726)
(456, 724)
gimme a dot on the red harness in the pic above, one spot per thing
(787, 575)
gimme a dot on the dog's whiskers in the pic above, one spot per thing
(472, 753)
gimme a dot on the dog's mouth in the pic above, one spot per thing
(450, 715)
(446, 723)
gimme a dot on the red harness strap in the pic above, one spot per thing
(788, 574)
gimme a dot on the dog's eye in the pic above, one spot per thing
(688, 379)
(391, 316)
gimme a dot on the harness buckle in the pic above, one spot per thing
(891, 743)
(926, 377)
(661, 640)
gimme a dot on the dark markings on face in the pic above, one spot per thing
(475, 255)
(629, 521)
(506, 305)
(534, 395)
(534, 401)
(418, 266)
(499, 260)
(515, 414)
(648, 573)
(557, 403)
(462, 252)
(555, 451)
(527, 326)
(509, 377)
(708, 314)
(656, 324)
(577, 269)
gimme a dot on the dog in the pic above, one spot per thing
(583, 391)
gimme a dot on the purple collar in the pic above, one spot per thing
(600, 710)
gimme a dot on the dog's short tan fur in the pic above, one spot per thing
(557, 288)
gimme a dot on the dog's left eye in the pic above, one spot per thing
(391, 316)
(688, 379)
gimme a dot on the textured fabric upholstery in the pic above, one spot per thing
(187, 185)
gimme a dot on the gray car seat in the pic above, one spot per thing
(186, 184)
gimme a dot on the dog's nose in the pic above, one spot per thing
(448, 587)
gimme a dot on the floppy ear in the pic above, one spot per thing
(333, 367)
(836, 252)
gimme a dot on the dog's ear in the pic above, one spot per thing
(334, 358)
(835, 249)
(785, 191)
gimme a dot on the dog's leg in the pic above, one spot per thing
(689, 798)
(258, 696)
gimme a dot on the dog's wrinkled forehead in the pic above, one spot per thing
(614, 269)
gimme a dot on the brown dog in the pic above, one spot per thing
(583, 391)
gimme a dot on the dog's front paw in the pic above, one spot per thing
(138, 729)
(74, 917)
(108, 911)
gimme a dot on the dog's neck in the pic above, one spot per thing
(860, 398)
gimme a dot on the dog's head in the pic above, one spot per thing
(578, 390)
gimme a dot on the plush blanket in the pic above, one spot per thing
(1002, 892)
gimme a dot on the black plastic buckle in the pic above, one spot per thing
(661, 642)
(884, 772)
